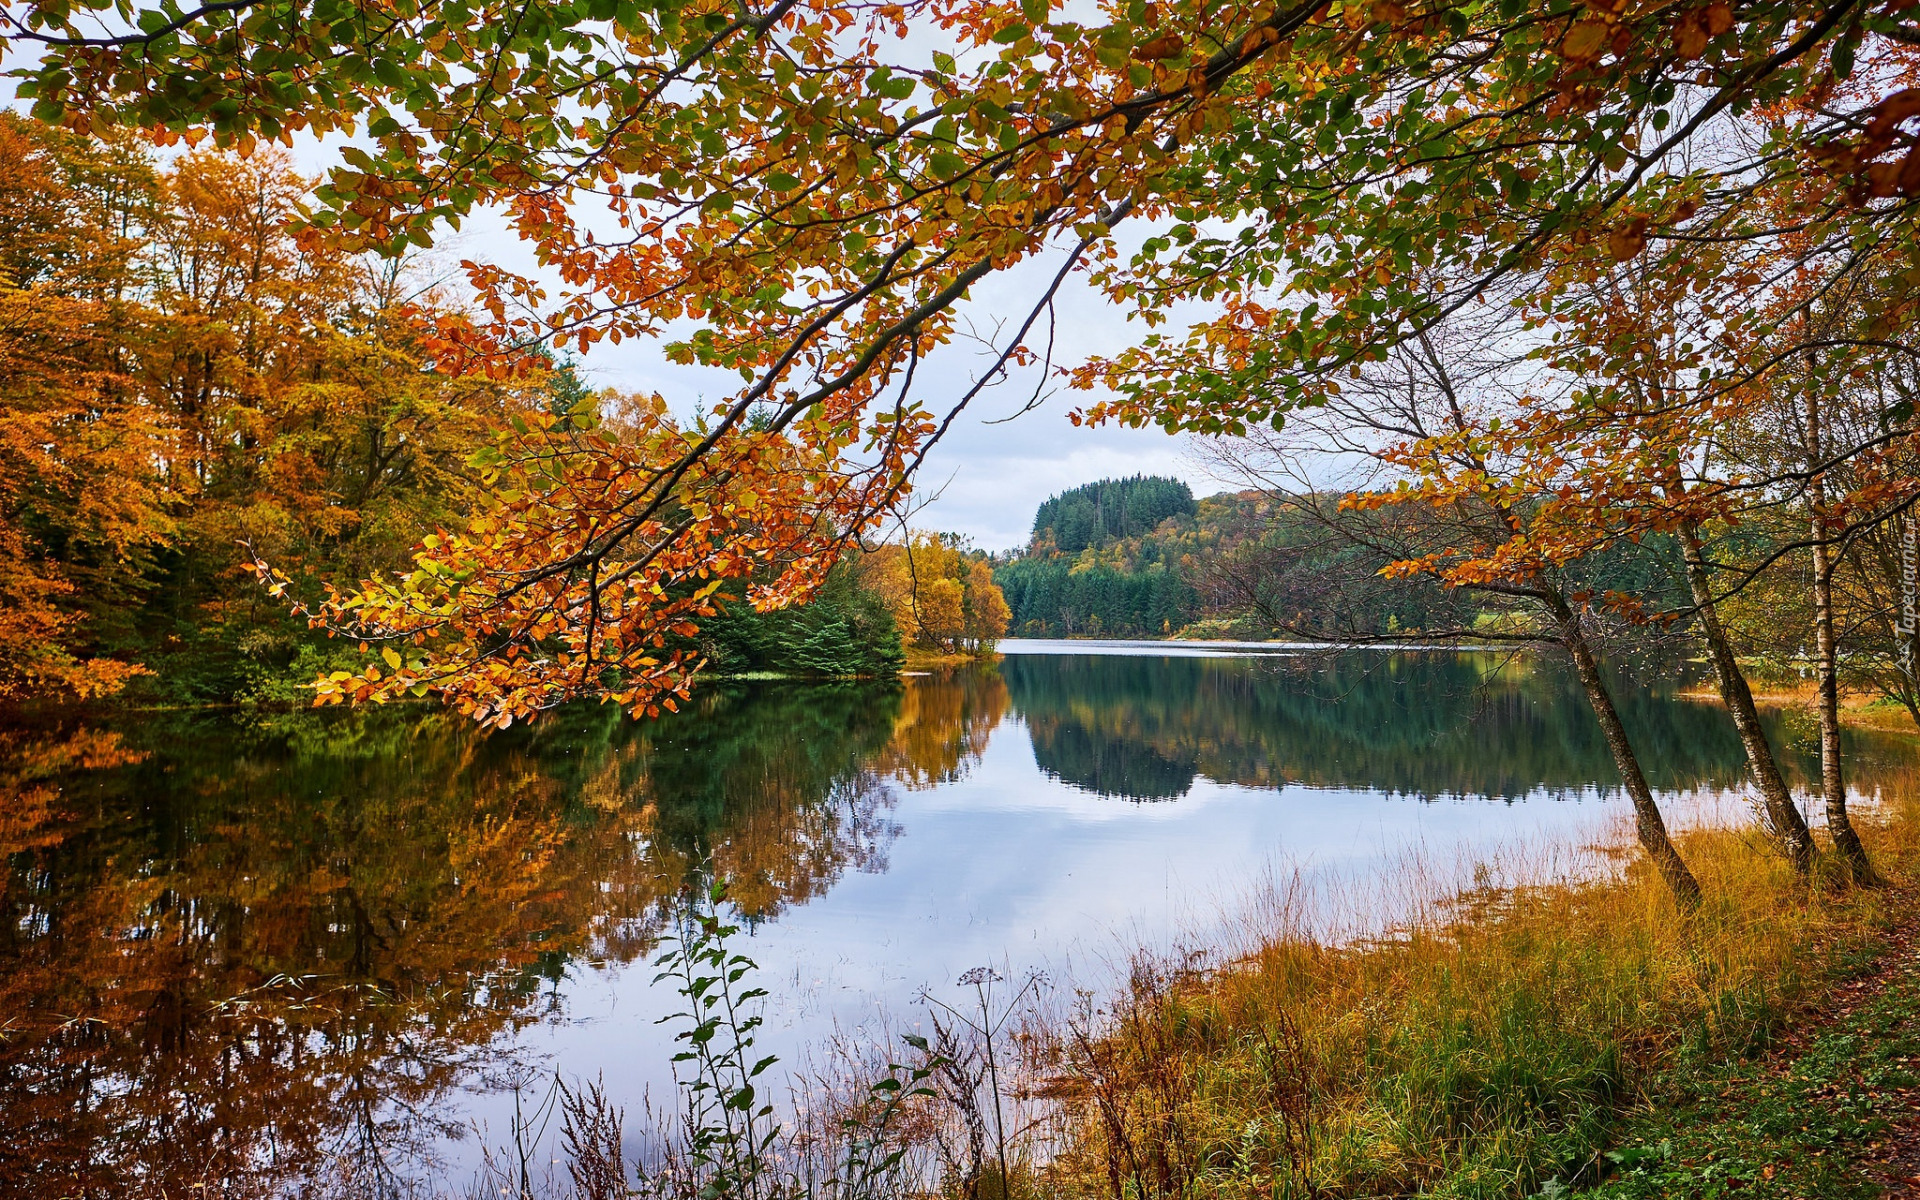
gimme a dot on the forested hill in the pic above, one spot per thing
(1095, 514)
(1141, 557)
(1115, 558)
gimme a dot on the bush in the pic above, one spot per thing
(845, 630)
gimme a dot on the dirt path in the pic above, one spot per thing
(1894, 1162)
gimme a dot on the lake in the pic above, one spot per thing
(267, 953)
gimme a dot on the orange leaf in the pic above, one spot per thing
(1584, 41)
(1690, 37)
(1167, 45)
(1624, 243)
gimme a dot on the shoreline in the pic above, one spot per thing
(1067, 645)
(1510, 1041)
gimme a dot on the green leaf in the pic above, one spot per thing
(1843, 52)
(1035, 11)
(389, 73)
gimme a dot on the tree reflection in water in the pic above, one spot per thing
(1429, 725)
(245, 960)
(233, 959)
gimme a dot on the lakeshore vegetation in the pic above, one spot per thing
(1586, 329)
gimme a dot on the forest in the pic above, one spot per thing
(1111, 557)
(1273, 563)
(188, 387)
(1210, 568)
(185, 385)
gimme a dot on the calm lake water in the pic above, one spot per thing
(249, 954)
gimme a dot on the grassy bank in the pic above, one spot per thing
(919, 659)
(1829, 1115)
(1504, 1048)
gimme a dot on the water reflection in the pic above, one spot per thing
(229, 957)
(1436, 724)
(235, 958)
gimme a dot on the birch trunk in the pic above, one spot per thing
(1833, 785)
(1648, 822)
(1781, 816)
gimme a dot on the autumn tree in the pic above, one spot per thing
(942, 596)
(1827, 478)
(985, 609)
(77, 492)
(1676, 380)
(183, 379)
(1432, 482)
(1658, 289)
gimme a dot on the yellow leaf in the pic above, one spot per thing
(1584, 41)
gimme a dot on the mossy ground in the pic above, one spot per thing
(1828, 1111)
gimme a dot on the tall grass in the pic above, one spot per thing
(1491, 1046)
(1489, 1049)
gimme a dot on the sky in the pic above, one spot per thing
(988, 475)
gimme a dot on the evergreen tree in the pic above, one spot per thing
(1094, 514)
(845, 630)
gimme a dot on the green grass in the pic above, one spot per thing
(1787, 1125)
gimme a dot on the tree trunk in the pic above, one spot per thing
(1782, 816)
(1910, 614)
(1647, 820)
(1833, 786)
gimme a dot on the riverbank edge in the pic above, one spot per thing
(1525, 1042)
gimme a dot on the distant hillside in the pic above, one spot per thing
(1117, 558)
(1141, 557)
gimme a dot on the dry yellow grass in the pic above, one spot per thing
(1486, 1049)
